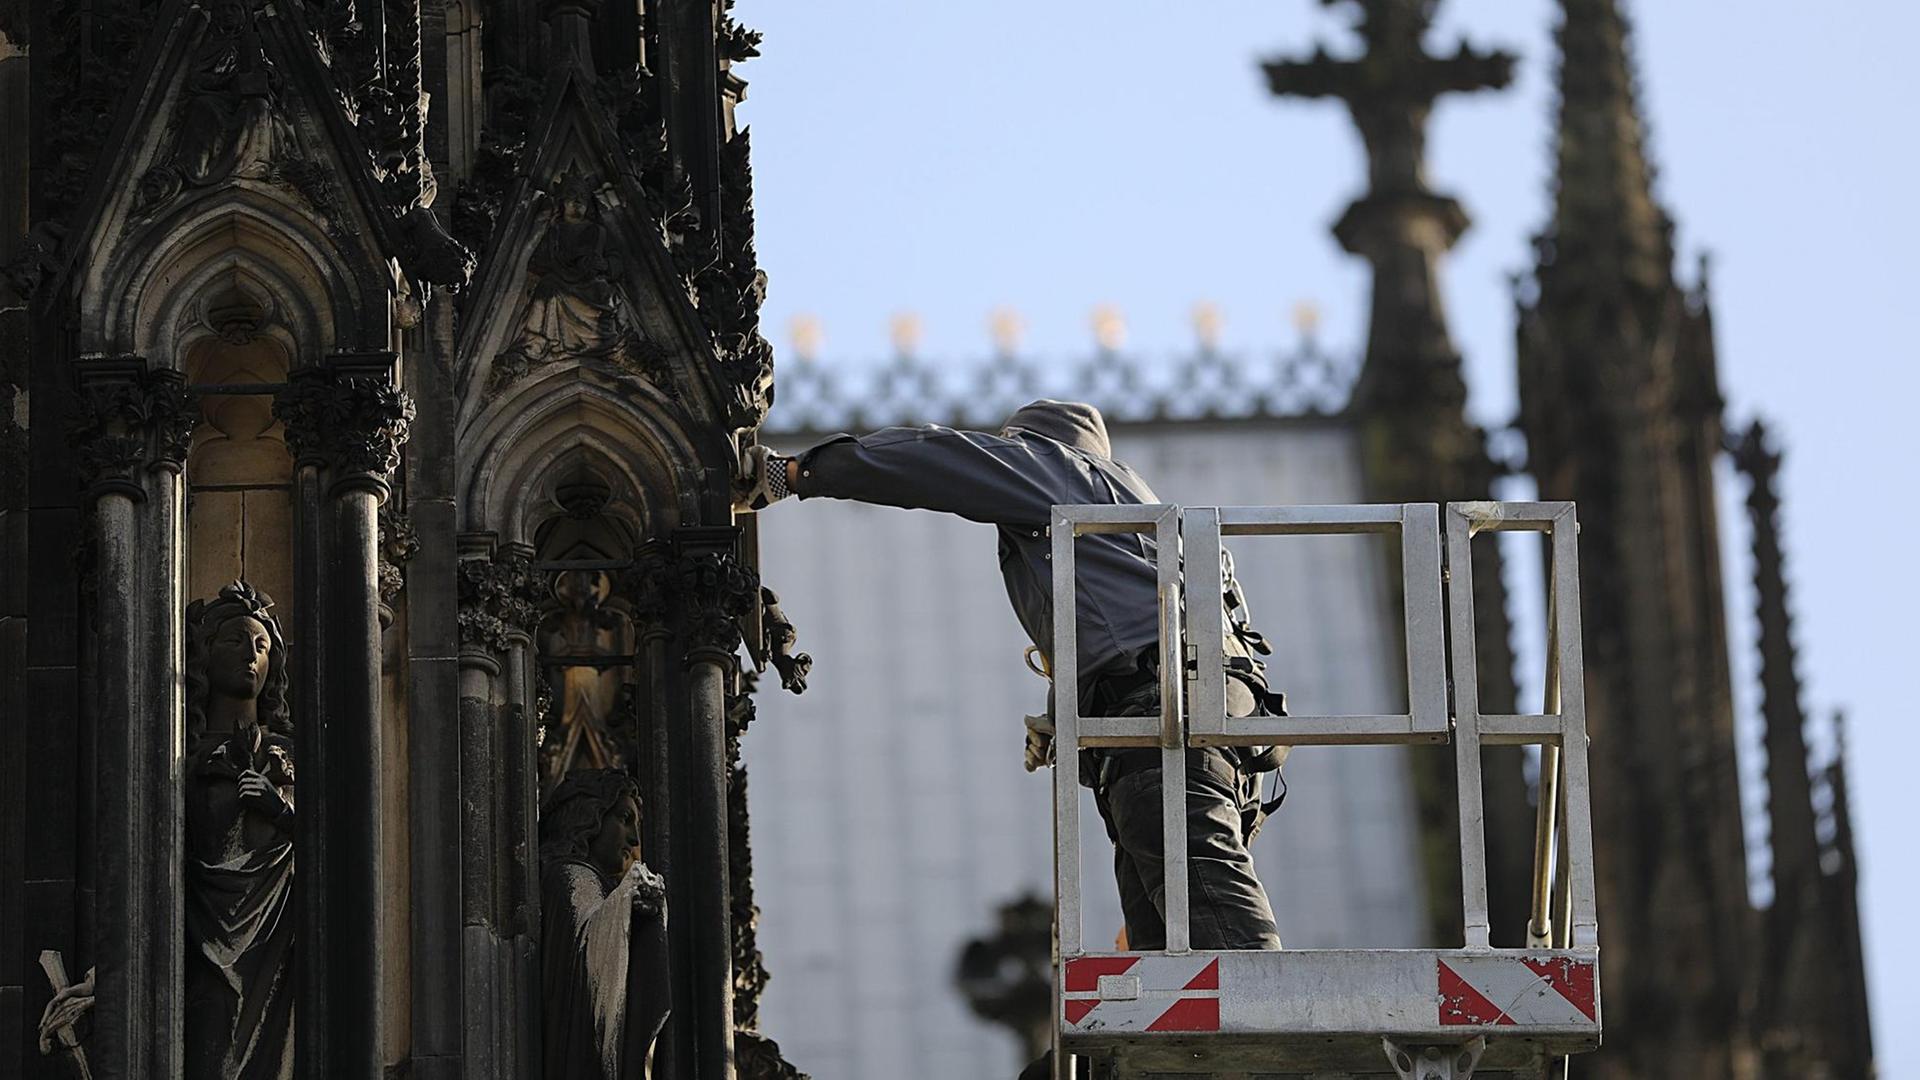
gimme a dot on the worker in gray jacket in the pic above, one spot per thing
(1056, 453)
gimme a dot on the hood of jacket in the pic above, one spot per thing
(1073, 423)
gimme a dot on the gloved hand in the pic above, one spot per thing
(1039, 741)
(762, 480)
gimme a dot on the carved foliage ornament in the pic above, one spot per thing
(399, 543)
(730, 291)
(354, 424)
(499, 600)
(647, 586)
(716, 591)
(129, 418)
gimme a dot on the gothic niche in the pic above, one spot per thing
(239, 841)
(603, 938)
(575, 310)
(239, 473)
(585, 639)
(228, 124)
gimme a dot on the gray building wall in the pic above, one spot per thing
(891, 813)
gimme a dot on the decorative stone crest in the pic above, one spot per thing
(129, 418)
(353, 424)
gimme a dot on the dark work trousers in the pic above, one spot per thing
(1226, 906)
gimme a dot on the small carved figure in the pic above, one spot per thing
(604, 991)
(780, 638)
(239, 840)
(575, 312)
(586, 631)
(227, 125)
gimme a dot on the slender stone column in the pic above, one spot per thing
(350, 416)
(130, 438)
(482, 639)
(714, 591)
(499, 789)
(521, 787)
(648, 589)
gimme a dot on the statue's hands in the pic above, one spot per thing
(64, 1012)
(649, 888)
(258, 792)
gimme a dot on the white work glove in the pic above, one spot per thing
(1039, 741)
(762, 481)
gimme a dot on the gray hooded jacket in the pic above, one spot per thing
(1050, 453)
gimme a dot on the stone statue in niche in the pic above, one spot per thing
(227, 122)
(585, 646)
(576, 311)
(239, 841)
(603, 935)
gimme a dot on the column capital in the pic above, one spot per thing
(348, 417)
(130, 418)
(500, 596)
(647, 586)
(715, 590)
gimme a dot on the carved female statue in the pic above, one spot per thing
(603, 937)
(574, 312)
(589, 694)
(227, 125)
(239, 842)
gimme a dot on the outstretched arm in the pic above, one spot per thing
(978, 476)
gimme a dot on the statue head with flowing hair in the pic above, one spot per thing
(584, 820)
(208, 667)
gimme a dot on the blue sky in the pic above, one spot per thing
(950, 159)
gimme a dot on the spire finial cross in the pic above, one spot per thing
(1390, 89)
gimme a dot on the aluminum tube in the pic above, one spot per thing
(1540, 918)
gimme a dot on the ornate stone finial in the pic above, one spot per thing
(805, 334)
(1008, 327)
(353, 424)
(1109, 328)
(129, 418)
(1006, 976)
(1306, 319)
(904, 329)
(1207, 321)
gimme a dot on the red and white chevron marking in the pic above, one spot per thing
(1142, 993)
(1501, 991)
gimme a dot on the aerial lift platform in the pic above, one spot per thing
(1322, 1014)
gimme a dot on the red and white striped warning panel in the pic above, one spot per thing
(1501, 991)
(1142, 993)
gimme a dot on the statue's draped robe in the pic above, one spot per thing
(240, 922)
(593, 1028)
(572, 314)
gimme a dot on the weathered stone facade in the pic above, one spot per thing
(439, 321)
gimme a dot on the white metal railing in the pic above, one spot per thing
(1412, 998)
